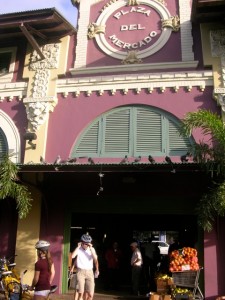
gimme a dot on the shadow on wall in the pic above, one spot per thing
(8, 227)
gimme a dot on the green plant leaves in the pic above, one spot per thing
(211, 156)
(11, 186)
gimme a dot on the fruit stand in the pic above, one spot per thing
(185, 274)
(183, 281)
(188, 279)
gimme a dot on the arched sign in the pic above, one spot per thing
(133, 28)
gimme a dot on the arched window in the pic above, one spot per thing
(132, 131)
(9, 138)
(3, 145)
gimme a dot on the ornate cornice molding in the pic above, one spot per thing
(135, 68)
(12, 90)
(136, 82)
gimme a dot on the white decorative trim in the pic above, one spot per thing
(38, 109)
(84, 20)
(136, 82)
(9, 75)
(186, 30)
(82, 41)
(12, 135)
(51, 53)
(8, 91)
(111, 51)
(135, 67)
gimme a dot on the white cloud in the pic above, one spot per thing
(64, 7)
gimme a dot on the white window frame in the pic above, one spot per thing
(12, 136)
(9, 75)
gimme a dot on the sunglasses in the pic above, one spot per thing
(85, 244)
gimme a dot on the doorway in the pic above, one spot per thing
(124, 229)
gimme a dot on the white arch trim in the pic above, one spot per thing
(12, 135)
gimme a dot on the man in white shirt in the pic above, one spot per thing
(136, 264)
(86, 257)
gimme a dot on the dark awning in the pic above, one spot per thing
(111, 168)
(37, 26)
(205, 11)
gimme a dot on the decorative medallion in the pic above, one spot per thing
(142, 27)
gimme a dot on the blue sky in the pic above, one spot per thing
(65, 7)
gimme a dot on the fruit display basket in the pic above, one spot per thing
(188, 279)
(185, 278)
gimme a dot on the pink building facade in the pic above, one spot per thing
(101, 101)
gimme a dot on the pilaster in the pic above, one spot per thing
(42, 92)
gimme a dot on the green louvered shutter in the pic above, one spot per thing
(148, 132)
(3, 144)
(116, 130)
(88, 144)
(178, 144)
(132, 131)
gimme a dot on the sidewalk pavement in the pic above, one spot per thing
(101, 296)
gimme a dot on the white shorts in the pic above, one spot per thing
(42, 293)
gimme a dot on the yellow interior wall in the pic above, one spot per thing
(27, 235)
(208, 59)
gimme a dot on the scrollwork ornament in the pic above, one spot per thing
(133, 2)
(40, 83)
(51, 53)
(131, 58)
(173, 22)
(37, 112)
(94, 29)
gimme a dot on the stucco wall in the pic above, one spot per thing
(72, 115)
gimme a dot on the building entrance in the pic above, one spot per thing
(124, 229)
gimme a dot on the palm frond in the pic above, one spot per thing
(210, 123)
(212, 158)
(11, 186)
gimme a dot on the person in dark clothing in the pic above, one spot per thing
(113, 258)
(44, 271)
